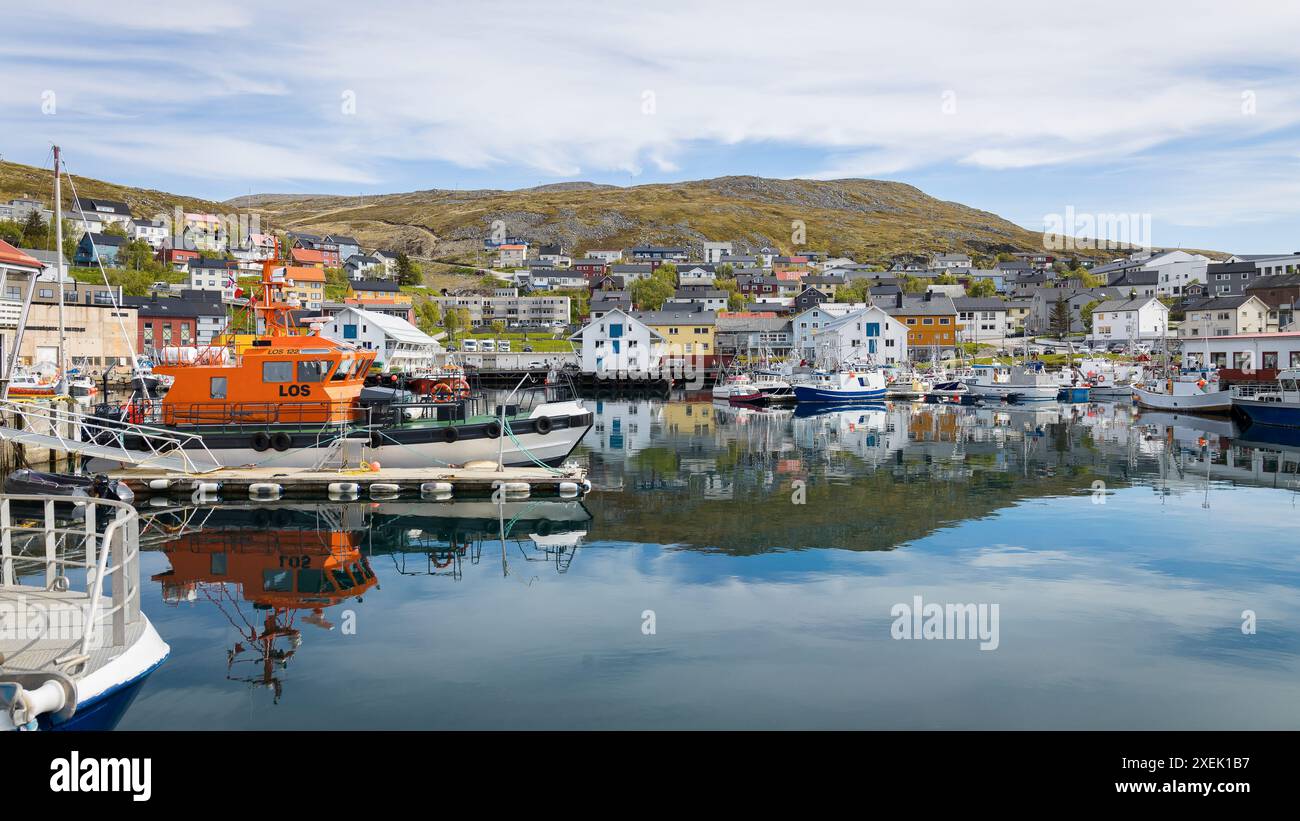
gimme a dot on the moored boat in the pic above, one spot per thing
(1011, 382)
(1196, 392)
(1276, 404)
(852, 385)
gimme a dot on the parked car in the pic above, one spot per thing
(470, 345)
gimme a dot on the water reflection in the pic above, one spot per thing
(1120, 592)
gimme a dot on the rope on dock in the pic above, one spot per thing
(525, 451)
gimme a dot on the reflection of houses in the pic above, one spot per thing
(622, 427)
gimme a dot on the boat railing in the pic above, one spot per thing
(245, 415)
(1253, 390)
(105, 543)
(72, 432)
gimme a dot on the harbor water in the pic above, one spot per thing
(738, 568)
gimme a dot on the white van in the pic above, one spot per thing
(503, 346)
(469, 345)
(487, 345)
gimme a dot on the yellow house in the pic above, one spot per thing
(688, 333)
(377, 290)
(308, 286)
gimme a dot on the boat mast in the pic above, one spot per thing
(58, 248)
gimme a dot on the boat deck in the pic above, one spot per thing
(55, 611)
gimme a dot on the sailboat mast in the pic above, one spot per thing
(58, 248)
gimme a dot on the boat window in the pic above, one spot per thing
(311, 580)
(218, 387)
(344, 369)
(342, 579)
(313, 370)
(277, 581)
(277, 371)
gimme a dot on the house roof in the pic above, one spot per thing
(308, 255)
(653, 333)
(686, 316)
(394, 326)
(296, 272)
(107, 206)
(937, 305)
(1212, 303)
(102, 240)
(213, 262)
(9, 255)
(1275, 281)
(153, 305)
(977, 303)
(375, 285)
(1118, 305)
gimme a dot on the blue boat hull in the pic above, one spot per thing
(804, 393)
(1270, 413)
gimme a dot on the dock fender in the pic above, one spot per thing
(282, 441)
(493, 429)
(543, 425)
(450, 434)
(261, 441)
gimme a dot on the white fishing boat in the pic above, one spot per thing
(75, 654)
(1012, 382)
(1195, 392)
(737, 387)
(850, 385)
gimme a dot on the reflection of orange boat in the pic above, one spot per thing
(279, 569)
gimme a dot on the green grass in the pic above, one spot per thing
(540, 342)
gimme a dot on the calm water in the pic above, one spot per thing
(770, 549)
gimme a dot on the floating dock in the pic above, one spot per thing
(270, 484)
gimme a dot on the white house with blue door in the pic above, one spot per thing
(618, 345)
(866, 335)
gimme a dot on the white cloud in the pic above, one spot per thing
(562, 90)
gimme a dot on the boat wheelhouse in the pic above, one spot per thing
(1012, 382)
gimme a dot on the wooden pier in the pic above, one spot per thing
(271, 484)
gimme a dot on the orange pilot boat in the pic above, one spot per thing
(293, 399)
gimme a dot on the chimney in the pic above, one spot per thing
(929, 295)
(898, 299)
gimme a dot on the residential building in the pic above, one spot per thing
(204, 232)
(361, 266)
(104, 247)
(805, 325)
(602, 302)
(1271, 264)
(828, 284)
(619, 345)
(346, 247)
(1230, 278)
(525, 310)
(109, 212)
(153, 232)
(178, 259)
(554, 254)
(1253, 357)
(401, 346)
(753, 334)
(809, 298)
(208, 274)
(868, 335)
(931, 321)
(695, 274)
(982, 319)
(1143, 318)
(688, 334)
(608, 256)
(658, 253)
(308, 257)
(950, 261)
(592, 268)
(514, 255)
(1043, 307)
(381, 295)
(165, 322)
(1281, 293)
(712, 299)
(1224, 316)
(306, 285)
(715, 251)
(19, 209)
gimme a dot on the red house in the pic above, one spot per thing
(177, 258)
(590, 268)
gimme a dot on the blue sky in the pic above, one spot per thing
(1187, 112)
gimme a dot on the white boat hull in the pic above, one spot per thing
(1215, 402)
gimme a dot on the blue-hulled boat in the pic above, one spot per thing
(1276, 404)
(867, 385)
